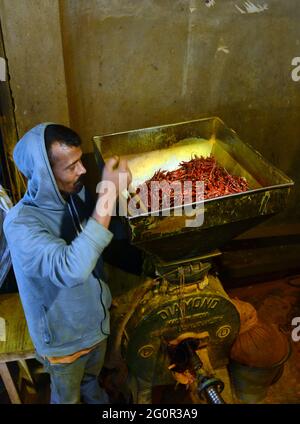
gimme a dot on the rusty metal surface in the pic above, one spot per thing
(166, 313)
(225, 217)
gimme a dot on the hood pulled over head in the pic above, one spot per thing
(31, 158)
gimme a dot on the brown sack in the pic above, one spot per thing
(258, 344)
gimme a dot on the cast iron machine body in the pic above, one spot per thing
(182, 323)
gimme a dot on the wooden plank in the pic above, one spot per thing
(9, 384)
(16, 356)
(18, 344)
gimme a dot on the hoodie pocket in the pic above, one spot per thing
(46, 333)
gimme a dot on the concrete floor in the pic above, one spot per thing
(276, 301)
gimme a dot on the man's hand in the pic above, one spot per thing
(108, 188)
(113, 168)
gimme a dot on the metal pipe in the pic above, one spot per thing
(212, 396)
(208, 387)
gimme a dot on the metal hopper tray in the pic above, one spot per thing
(164, 147)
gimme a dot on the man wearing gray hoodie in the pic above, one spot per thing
(56, 238)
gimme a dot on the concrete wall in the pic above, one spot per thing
(111, 65)
(33, 46)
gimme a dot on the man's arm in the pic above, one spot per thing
(39, 253)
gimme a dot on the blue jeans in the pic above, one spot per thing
(71, 383)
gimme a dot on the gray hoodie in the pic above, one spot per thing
(55, 249)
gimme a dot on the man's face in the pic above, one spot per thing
(67, 167)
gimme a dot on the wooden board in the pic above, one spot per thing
(18, 344)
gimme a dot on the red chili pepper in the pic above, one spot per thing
(217, 180)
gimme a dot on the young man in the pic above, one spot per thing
(56, 239)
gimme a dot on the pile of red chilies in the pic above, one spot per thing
(217, 180)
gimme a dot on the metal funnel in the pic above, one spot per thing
(149, 149)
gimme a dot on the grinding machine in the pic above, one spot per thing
(180, 323)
